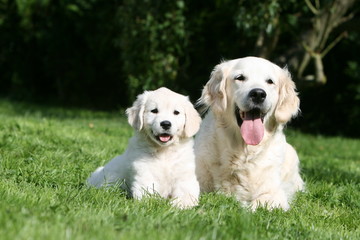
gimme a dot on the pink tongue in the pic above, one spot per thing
(164, 138)
(252, 129)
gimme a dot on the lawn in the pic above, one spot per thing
(46, 154)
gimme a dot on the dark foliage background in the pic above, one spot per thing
(101, 54)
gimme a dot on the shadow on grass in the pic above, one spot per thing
(15, 108)
(330, 174)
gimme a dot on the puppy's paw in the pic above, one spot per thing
(185, 202)
(270, 202)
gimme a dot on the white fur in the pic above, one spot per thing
(149, 166)
(266, 174)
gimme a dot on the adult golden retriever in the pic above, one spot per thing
(241, 148)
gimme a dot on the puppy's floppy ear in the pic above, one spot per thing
(136, 112)
(192, 120)
(214, 92)
(288, 103)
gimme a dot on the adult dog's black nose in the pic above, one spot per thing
(165, 124)
(257, 95)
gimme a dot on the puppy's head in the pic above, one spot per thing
(254, 93)
(164, 116)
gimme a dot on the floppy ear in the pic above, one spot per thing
(136, 112)
(214, 92)
(192, 120)
(288, 103)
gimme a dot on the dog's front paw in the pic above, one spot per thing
(185, 202)
(271, 201)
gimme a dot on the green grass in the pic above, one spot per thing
(47, 153)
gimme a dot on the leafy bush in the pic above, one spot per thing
(152, 42)
(60, 51)
(100, 54)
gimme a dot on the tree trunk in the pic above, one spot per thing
(315, 42)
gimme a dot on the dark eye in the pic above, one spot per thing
(155, 110)
(176, 112)
(270, 81)
(240, 77)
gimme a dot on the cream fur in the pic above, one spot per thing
(149, 166)
(266, 174)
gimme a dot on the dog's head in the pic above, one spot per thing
(257, 94)
(165, 116)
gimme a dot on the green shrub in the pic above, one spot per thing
(152, 41)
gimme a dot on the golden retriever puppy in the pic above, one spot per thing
(160, 156)
(241, 148)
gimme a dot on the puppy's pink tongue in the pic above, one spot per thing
(164, 138)
(252, 129)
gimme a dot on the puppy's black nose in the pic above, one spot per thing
(257, 95)
(165, 124)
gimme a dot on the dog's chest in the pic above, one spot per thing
(240, 168)
(167, 169)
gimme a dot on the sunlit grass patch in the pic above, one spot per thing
(46, 154)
